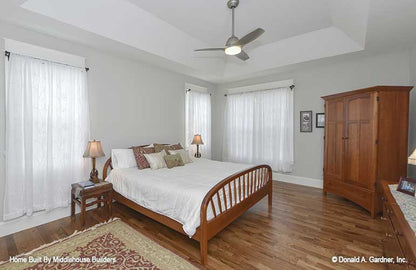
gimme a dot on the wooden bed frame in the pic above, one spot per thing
(251, 185)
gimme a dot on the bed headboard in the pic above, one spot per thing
(109, 166)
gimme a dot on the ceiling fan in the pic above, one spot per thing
(234, 45)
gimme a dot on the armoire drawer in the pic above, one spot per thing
(358, 195)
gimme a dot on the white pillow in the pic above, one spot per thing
(184, 155)
(123, 158)
(156, 160)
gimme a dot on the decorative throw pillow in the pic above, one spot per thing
(159, 147)
(173, 161)
(140, 158)
(177, 146)
(156, 160)
(147, 146)
(184, 155)
(123, 158)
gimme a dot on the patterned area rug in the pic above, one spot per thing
(111, 245)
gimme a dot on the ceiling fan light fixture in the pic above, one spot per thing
(234, 45)
(233, 50)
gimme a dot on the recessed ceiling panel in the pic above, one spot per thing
(210, 21)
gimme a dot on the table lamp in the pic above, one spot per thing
(197, 140)
(412, 158)
(93, 151)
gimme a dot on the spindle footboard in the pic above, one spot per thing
(224, 203)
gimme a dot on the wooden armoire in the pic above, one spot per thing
(365, 142)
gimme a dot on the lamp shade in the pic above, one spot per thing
(94, 149)
(197, 139)
(412, 158)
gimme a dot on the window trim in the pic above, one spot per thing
(43, 53)
(260, 87)
(194, 87)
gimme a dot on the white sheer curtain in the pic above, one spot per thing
(47, 129)
(198, 121)
(259, 128)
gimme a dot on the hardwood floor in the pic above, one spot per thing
(303, 230)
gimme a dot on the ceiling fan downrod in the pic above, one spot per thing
(232, 4)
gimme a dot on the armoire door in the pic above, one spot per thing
(334, 131)
(360, 141)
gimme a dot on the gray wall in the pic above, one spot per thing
(311, 83)
(135, 103)
(130, 102)
(2, 129)
(412, 117)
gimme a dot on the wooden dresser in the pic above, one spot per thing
(365, 142)
(399, 239)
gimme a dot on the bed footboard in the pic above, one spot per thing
(225, 202)
(230, 198)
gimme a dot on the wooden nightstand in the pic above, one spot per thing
(102, 191)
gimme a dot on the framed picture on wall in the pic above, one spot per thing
(306, 121)
(320, 120)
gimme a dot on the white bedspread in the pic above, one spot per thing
(176, 193)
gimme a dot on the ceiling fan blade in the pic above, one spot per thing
(242, 55)
(251, 36)
(210, 49)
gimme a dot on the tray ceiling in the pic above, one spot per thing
(210, 21)
(297, 31)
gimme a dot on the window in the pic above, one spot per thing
(259, 128)
(198, 119)
(47, 129)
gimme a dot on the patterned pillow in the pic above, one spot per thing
(156, 160)
(173, 161)
(175, 146)
(184, 155)
(140, 158)
(147, 146)
(159, 147)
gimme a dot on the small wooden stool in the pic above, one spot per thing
(102, 190)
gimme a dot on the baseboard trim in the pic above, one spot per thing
(39, 218)
(298, 180)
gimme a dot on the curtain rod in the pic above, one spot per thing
(291, 88)
(189, 90)
(7, 54)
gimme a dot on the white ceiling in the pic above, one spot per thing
(210, 21)
(167, 32)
